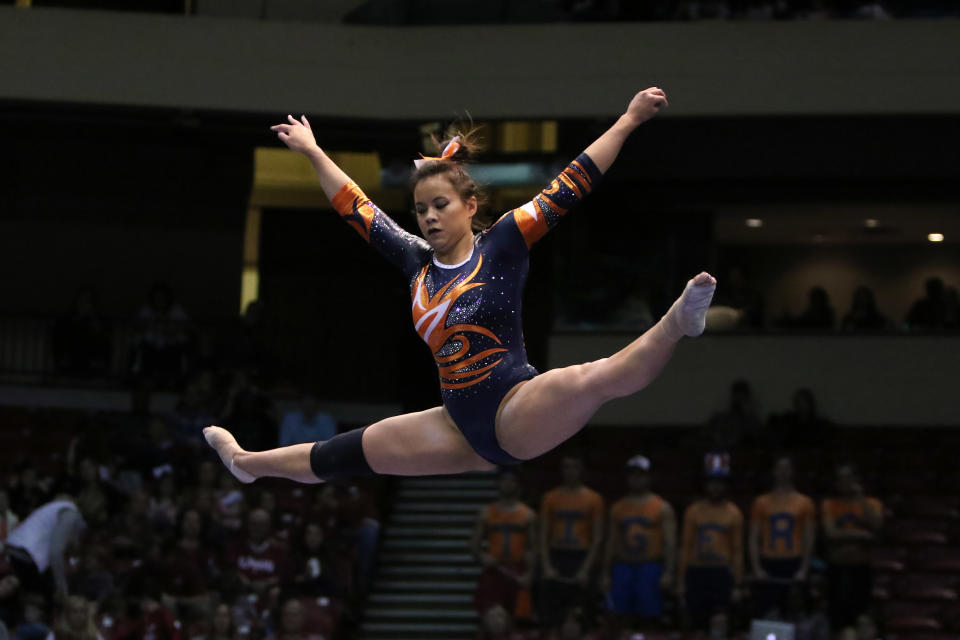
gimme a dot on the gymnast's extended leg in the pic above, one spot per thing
(413, 444)
(552, 407)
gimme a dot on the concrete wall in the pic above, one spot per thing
(888, 381)
(553, 70)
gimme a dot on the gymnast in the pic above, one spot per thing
(466, 284)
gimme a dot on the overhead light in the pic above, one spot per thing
(935, 237)
(871, 223)
(754, 223)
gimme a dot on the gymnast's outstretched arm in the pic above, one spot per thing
(646, 104)
(403, 249)
(537, 217)
(298, 135)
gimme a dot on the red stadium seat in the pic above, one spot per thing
(931, 635)
(890, 559)
(932, 507)
(919, 532)
(320, 615)
(939, 559)
(912, 616)
(927, 586)
(951, 615)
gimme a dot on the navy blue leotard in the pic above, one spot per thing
(469, 314)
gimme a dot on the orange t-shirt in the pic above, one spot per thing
(638, 529)
(508, 531)
(848, 513)
(713, 537)
(569, 516)
(783, 521)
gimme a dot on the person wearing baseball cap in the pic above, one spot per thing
(641, 547)
(711, 551)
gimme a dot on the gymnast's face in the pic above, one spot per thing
(442, 215)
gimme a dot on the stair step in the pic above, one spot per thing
(374, 613)
(432, 507)
(392, 629)
(421, 598)
(432, 518)
(400, 557)
(414, 532)
(411, 544)
(452, 494)
(421, 586)
(450, 483)
(420, 572)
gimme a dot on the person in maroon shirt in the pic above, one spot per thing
(261, 565)
(189, 563)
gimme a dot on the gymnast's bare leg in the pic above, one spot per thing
(533, 419)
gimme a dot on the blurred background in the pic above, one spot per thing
(168, 264)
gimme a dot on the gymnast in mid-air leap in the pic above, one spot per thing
(466, 284)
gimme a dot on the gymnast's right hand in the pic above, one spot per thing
(296, 134)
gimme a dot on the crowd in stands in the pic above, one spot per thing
(740, 306)
(784, 522)
(755, 9)
(590, 10)
(937, 310)
(583, 568)
(125, 526)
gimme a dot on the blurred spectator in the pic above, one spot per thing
(154, 622)
(359, 526)
(197, 409)
(851, 523)
(41, 541)
(33, 625)
(710, 571)
(316, 568)
(640, 558)
(8, 519)
(929, 312)
(496, 624)
(81, 338)
(571, 533)
(739, 425)
(736, 293)
(306, 423)
(258, 563)
(220, 625)
(504, 542)
(324, 509)
(867, 628)
(75, 621)
(164, 507)
(94, 577)
(250, 413)
(131, 528)
(800, 427)
(703, 10)
(782, 535)
(190, 565)
(164, 340)
(292, 624)
(863, 314)
(818, 314)
(27, 490)
(229, 503)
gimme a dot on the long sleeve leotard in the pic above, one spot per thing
(469, 313)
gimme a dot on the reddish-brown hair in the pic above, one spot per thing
(454, 170)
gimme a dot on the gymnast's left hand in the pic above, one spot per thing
(646, 104)
(296, 134)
